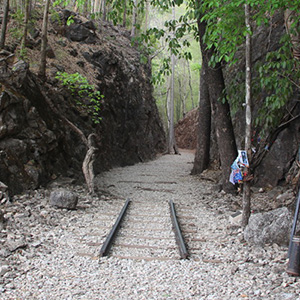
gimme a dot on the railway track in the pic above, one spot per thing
(148, 231)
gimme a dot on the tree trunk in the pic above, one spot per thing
(223, 124)
(246, 187)
(24, 38)
(104, 10)
(134, 16)
(4, 23)
(172, 142)
(190, 85)
(220, 110)
(124, 13)
(42, 69)
(96, 8)
(202, 156)
(147, 15)
(87, 165)
(86, 8)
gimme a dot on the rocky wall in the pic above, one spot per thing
(37, 145)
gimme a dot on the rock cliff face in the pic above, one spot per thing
(36, 142)
(186, 130)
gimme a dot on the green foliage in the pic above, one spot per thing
(225, 32)
(70, 20)
(164, 70)
(226, 28)
(88, 97)
(174, 36)
(17, 31)
(23, 53)
(63, 3)
(278, 77)
(117, 11)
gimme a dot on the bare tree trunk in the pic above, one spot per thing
(147, 15)
(104, 10)
(4, 23)
(124, 13)
(87, 165)
(223, 124)
(202, 156)
(134, 17)
(190, 85)
(96, 8)
(24, 38)
(86, 8)
(42, 69)
(172, 142)
(171, 107)
(246, 187)
(182, 96)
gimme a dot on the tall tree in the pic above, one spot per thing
(96, 7)
(223, 124)
(190, 84)
(124, 13)
(212, 91)
(42, 68)
(134, 18)
(246, 188)
(172, 142)
(104, 10)
(4, 23)
(147, 15)
(26, 19)
(202, 155)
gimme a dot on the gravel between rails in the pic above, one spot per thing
(61, 262)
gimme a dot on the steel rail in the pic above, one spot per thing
(178, 235)
(111, 236)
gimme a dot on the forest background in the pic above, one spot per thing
(165, 27)
(168, 32)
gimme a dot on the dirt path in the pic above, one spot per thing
(61, 260)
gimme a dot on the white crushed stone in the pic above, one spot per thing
(60, 260)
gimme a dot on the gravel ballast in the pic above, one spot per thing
(51, 253)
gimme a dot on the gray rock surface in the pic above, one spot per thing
(63, 198)
(14, 243)
(269, 227)
(1, 219)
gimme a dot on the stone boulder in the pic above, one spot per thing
(269, 227)
(81, 33)
(63, 198)
(278, 160)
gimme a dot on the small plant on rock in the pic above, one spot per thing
(86, 96)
